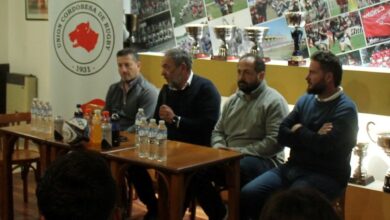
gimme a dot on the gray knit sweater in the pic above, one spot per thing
(250, 123)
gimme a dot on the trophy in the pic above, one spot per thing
(257, 36)
(383, 141)
(360, 175)
(225, 33)
(296, 21)
(132, 27)
(195, 31)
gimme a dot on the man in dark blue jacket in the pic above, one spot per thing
(320, 131)
(188, 103)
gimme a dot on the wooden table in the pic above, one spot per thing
(183, 160)
(10, 136)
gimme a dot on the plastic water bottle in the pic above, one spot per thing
(140, 114)
(161, 154)
(79, 112)
(115, 130)
(34, 114)
(88, 117)
(143, 139)
(44, 124)
(58, 125)
(152, 139)
(106, 131)
(40, 116)
(48, 118)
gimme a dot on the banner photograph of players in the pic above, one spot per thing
(148, 8)
(377, 56)
(365, 3)
(351, 59)
(266, 10)
(218, 8)
(339, 34)
(337, 7)
(316, 10)
(185, 11)
(376, 23)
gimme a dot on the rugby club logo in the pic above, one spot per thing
(83, 37)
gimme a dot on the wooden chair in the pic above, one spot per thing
(22, 157)
(339, 204)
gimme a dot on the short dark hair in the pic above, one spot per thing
(298, 204)
(128, 51)
(77, 186)
(259, 62)
(180, 56)
(329, 63)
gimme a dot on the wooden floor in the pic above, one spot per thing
(29, 211)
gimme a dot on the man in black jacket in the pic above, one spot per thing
(188, 103)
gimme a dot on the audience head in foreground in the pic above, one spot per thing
(77, 186)
(298, 204)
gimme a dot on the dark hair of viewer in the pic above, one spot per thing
(77, 186)
(298, 204)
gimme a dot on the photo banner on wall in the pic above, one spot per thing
(85, 36)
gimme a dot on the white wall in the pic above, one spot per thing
(28, 48)
(3, 31)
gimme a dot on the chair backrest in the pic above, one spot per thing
(13, 120)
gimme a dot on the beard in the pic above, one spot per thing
(175, 82)
(247, 88)
(317, 89)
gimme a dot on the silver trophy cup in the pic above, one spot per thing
(257, 36)
(195, 31)
(224, 33)
(382, 140)
(360, 175)
(296, 21)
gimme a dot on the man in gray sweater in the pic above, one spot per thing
(249, 124)
(133, 91)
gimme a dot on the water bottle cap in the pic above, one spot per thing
(106, 113)
(161, 122)
(152, 120)
(140, 110)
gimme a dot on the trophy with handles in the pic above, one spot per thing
(382, 140)
(360, 175)
(296, 21)
(257, 36)
(225, 33)
(195, 31)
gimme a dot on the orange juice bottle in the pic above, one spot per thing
(96, 129)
